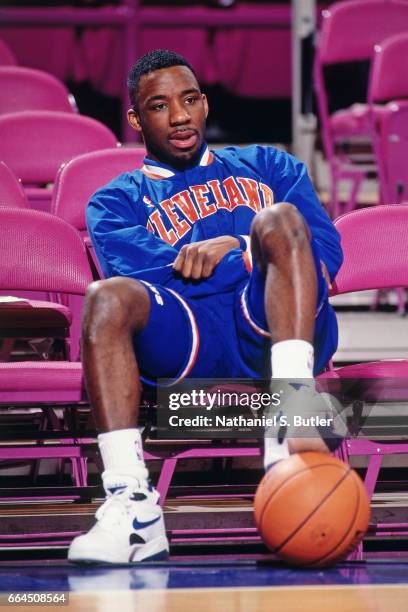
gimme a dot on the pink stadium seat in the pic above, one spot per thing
(389, 81)
(28, 267)
(375, 245)
(39, 317)
(389, 69)
(28, 89)
(50, 257)
(7, 57)
(34, 144)
(392, 149)
(79, 178)
(11, 191)
(349, 32)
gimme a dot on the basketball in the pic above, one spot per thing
(311, 509)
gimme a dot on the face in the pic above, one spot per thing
(171, 113)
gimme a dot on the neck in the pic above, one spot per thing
(178, 164)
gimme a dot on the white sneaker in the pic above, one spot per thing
(129, 529)
(307, 419)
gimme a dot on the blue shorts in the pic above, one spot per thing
(221, 336)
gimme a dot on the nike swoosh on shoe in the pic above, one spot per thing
(142, 524)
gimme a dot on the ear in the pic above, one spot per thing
(133, 120)
(205, 102)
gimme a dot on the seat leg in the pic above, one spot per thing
(335, 204)
(351, 204)
(401, 300)
(6, 347)
(83, 470)
(342, 452)
(371, 477)
(75, 472)
(166, 474)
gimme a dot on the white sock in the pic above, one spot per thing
(122, 457)
(292, 359)
(289, 359)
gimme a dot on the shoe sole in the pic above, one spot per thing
(155, 550)
(161, 556)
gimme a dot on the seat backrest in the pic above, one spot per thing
(27, 89)
(39, 252)
(79, 178)
(11, 192)
(391, 145)
(389, 82)
(375, 247)
(34, 144)
(389, 69)
(351, 29)
(7, 57)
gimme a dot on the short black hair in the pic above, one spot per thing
(154, 60)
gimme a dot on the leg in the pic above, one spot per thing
(115, 310)
(130, 525)
(128, 329)
(282, 251)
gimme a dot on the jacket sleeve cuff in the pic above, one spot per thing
(243, 241)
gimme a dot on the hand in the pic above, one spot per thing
(199, 259)
(326, 274)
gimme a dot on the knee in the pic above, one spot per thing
(282, 224)
(114, 303)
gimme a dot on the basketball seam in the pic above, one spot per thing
(321, 559)
(288, 538)
(284, 483)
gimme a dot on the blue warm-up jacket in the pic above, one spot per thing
(139, 221)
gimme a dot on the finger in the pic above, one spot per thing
(188, 263)
(179, 261)
(208, 266)
(197, 267)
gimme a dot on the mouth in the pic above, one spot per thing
(183, 139)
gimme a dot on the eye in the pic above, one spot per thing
(191, 100)
(160, 106)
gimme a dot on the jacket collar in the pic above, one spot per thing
(157, 170)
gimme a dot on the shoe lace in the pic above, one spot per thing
(116, 505)
(113, 509)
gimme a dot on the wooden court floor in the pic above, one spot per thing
(361, 598)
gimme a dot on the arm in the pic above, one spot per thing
(123, 244)
(125, 247)
(199, 259)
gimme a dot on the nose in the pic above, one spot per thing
(178, 114)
